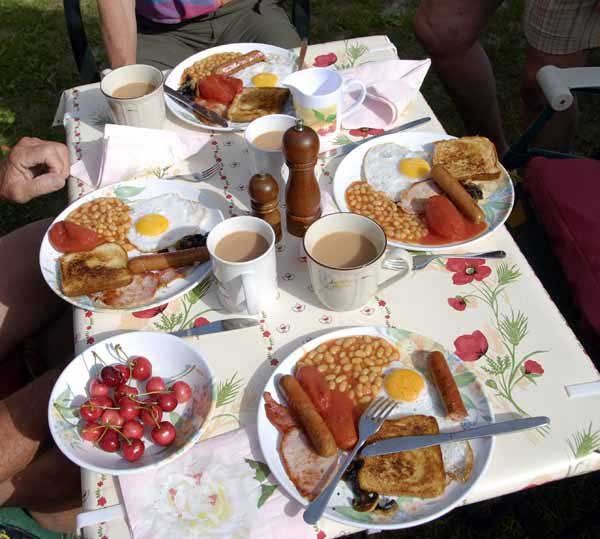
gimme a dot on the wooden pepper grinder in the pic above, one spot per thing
(264, 199)
(302, 194)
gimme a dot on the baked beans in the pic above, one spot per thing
(353, 365)
(108, 216)
(396, 223)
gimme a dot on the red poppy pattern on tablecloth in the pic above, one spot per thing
(150, 313)
(471, 347)
(365, 132)
(458, 303)
(466, 270)
(533, 368)
(324, 60)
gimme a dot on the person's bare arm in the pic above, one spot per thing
(119, 30)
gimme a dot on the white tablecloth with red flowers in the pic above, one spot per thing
(496, 316)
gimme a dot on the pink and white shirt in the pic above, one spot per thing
(174, 11)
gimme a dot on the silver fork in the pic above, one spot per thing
(421, 261)
(370, 422)
(197, 176)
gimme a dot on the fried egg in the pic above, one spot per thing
(404, 385)
(392, 168)
(262, 80)
(158, 223)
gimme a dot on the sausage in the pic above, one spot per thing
(174, 259)
(313, 424)
(457, 194)
(242, 62)
(446, 385)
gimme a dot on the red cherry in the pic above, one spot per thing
(156, 383)
(110, 441)
(112, 417)
(111, 376)
(132, 429)
(98, 389)
(90, 432)
(167, 402)
(90, 411)
(125, 372)
(152, 416)
(133, 450)
(125, 390)
(182, 390)
(128, 409)
(164, 433)
(141, 368)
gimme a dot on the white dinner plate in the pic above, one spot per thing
(132, 191)
(280, 61)
(413, 511)
(496, 207)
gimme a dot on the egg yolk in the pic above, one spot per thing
(414, 167)
(152, 224)
(404, 385)
(264, 79)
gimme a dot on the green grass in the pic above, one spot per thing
(36, 65)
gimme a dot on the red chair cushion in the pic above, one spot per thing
(566, 196)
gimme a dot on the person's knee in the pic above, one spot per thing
(441, 35)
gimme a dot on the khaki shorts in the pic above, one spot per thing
(562, 26)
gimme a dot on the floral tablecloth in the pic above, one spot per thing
(497, 317)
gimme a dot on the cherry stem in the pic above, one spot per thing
(153, 393)
(97, 358)
(181, 375)
(102, 435)
(123, 357)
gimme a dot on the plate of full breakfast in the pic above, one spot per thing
(428, 191)
(240, 82)
(129, 246)
(310, 407)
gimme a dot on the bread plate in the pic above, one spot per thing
(280, 62)
(496, 206)
(413, 511)
(131, 192)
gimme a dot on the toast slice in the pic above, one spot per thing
(468, 158)
(419, 473)
(102, 268)
(253, 103)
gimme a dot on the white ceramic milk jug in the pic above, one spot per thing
(318, 93)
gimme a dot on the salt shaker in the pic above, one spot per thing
(264, 200)
(302, 194)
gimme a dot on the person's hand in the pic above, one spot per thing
(33, 167)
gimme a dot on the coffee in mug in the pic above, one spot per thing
(133, 90)
(269, 141)
(343, 250)
(242, 252)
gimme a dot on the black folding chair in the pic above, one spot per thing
(84, 58)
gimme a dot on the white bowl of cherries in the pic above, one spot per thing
(131, 402)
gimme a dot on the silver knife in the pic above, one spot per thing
(408, 443)
(207, 114)
(347, 148)
(216, 327)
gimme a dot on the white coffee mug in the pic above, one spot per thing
(346, 289)
(268, 161)
(251, 286)
(145, 111)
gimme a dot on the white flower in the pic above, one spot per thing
(212, 499)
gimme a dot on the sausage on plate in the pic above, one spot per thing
(457, 194)
(242, 62)
(313, 424)
(173, 259)
(446, 385)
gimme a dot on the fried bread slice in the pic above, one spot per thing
(253, 103)
(102, 268)
(419, 473)
(468, 158)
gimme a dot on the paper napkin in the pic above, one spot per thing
(131, 152)
(219, 488)
(391, 86)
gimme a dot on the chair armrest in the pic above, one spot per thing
(557, 83)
